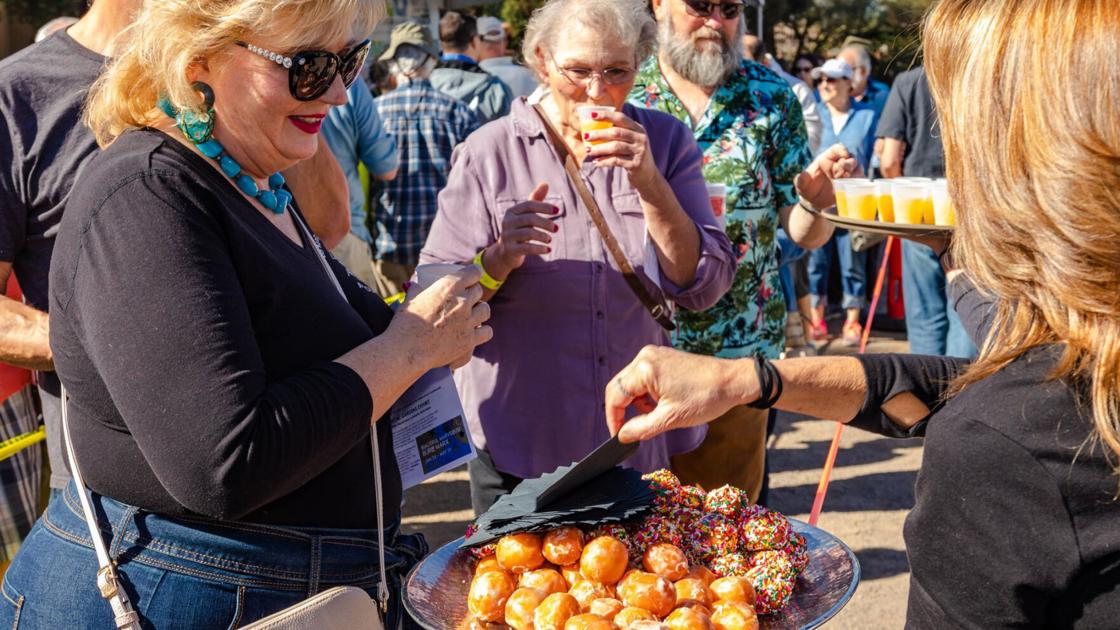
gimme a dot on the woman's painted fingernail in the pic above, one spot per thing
(555, 228)
(586, 136)
(548, 250)
(555, 210)
(594, 114)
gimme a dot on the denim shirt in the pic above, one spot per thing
(355, 134)
(858, 133)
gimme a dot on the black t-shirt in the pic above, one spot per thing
(43, 148)
(909, 115)
(1016, 523)
(198, 345)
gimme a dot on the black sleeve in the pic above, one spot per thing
(223, 437)
(990, 540)
(13, 212)
(889, 375)
(975, 309)
(892, 120)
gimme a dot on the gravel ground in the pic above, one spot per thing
(872, 489)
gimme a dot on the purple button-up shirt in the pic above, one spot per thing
(566, 322)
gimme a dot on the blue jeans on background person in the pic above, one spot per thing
(788, 253)
(853, 271)
(187, 572)
(932, 325)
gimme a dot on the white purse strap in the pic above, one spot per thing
(108, 583)
(382, 585)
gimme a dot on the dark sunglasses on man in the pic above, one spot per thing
(700, 8)
(311, 72)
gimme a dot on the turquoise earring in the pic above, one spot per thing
(199, 129)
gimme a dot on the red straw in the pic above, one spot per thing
(826, 474)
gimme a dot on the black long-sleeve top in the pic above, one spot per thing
(197, 344)
(1015, 522)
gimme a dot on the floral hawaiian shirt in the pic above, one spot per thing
(754, 142)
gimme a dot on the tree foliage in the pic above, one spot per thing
(816, 26)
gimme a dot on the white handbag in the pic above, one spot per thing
(339, 608)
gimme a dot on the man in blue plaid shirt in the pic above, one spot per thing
(427, 124)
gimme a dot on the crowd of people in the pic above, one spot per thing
(216, 223)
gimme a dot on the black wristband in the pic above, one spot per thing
(769, 384)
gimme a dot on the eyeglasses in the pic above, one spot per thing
(804, 69)
(311, 72)
(700, 8)
(582, 77)
(831, 80)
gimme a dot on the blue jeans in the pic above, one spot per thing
(931, 323)
(187, 572)
(853, 271)
(788, 253)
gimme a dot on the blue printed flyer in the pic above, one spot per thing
(429, 432)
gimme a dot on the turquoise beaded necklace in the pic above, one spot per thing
(198, 130)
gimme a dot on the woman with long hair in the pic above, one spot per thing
(1017, 518)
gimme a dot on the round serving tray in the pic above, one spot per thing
(890, 229)
(436, 589)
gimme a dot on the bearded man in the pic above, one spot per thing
(749, 126)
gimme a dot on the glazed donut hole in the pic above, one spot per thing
(555, 611)
(519, 553)
(693, 589)
(488, 595)
(521, 606)
(688, 619)
(666, 560)
(734, 616)
(733, 589)
(631, 615)
(604, 560)
(649, 591)
(587, 591)
(563, 546)
(548, 581)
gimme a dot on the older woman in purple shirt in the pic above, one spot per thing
(564, 318)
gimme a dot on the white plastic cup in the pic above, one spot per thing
(943, 213)
(912, 202)
(588, 123)
(717, 196)
(427, 275)
(861, 199)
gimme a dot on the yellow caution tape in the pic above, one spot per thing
(14, 445)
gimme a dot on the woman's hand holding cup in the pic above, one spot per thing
(446, 321)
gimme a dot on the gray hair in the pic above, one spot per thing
(625, 21)
(411, 62)
(861, 53)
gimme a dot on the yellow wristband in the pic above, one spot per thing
(487, 281)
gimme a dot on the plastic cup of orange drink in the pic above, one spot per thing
(911, 199)
(862, 199)
(591, 119)
(839, 188)
(886, 202)
(943, 211)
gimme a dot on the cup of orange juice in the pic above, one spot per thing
(839, 187)
(886, 202)
(910, 199)
(591, 119)
(943, 212)
(862, 204)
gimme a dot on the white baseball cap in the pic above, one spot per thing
(834, 69)
(490, 28)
